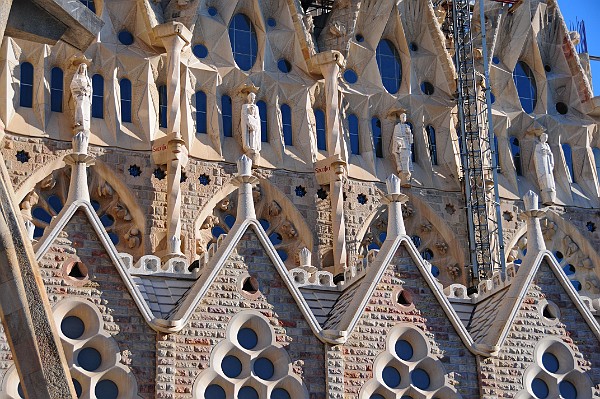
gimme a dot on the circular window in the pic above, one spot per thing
(427, 254)
(247, 338)
(558, 255)
(539, 388)
(231, 366)
(214, 391)
(350, 76)
(427, 88)
(390, 67)
(550, 362)
(420, 379)
(435, 271)
(416, 240)
(377, 396)
(20, 391)
(526, 86)
(125, 37)
(230, 220)
(404, 298)
(250, 285)
(562, 108)
(247, 393)
(567, 390)
(496, 60)
(89, 359)
(412, 46)
(264, 368)
(282, 254)
(271, 22)
(569, 269)
(492, 98)
(280, 393)
(200, 51)
(577, 285)
(391, 377)
(360, 38)
(78, 388)
(72, 327)
(547, 68)
(404, 350)
(212, 11)
(106, 389)
(276, 238)
(284, 65)
(243, 41)
(217, 231)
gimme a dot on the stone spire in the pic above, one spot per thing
(395, 225)
(244, 181)
(532, 214)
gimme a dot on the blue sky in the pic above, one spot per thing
(589, 11)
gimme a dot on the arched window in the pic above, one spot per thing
(97, 96)
(354, 141)
(56, 89)
(26, 89)
(226, 116)
(432, 144)
(390, 67)
(200, 112)
(320, 125)
(515, 149)
(413, 155)
(569, 160)
(125, 86)
(526, 87)
(243, 41)
(596, 152)
(286, 122)
(162, 106)
(89, 4)
(497, 153)
(264, 126)
(377, 141)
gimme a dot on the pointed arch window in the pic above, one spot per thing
(413, 156)
(526, 86)
(497, 152)
(125, 88)
(432, 144)
(200, 112)
(162, 106)
(569, 161)
(377, 140)
(515, 150)
(97, 96)
(26, 87)
(243, 41)
(596, 152)
(226, 109)
(390, 66)
(56, 89)
(320, 125)
(353, 128)
(264, 126)
(286, 122)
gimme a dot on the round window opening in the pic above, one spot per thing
(214, 391)
(350, 76)
(547, 68)
(106, 389)
(200, 51)
(360, 38)
(72, 327)
(125, 37)
(284, 65)
(550, 312)
(247, 338)
(231, 366)
(562, 108)
(427, 88)
(413, 46)
(250, 285)
(89, 359)
(391, 377)
(550, 362)
(539, 388)
(405, 298)
(280, 393)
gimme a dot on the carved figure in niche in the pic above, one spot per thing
(274, 209)
(544, 166)
(122, 212)
(28, 202)
(81, 88)
(571, 247)
(133, 237)
(224, 205)
(548, 229)
(257, 194)
(210, 222)
(402, 141)
(48, 183)
(454, 271)
(105, 189)
(288, 229)
(251, 126)
(442, 247)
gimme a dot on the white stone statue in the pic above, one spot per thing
(81, 88)
(544, 167)
(401, 149)
(251, 133)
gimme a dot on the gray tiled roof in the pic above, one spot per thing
(484, 315)
(162, 293)
(320, 302)
(341, 305)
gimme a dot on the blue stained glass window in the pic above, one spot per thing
(354, 139)
(350, 76)
(282, 254)
(284, 65)
(286, 121)
(212, 11)
(125, 37)
(97, 96)
(125, 87)
(56, 89)
(596, 152)
(263, 368)
(275, 238)
(226, 116)
(247, 393)
(162, 105)
(41, 214)
(416, 240)
(106, 389)
(496, 60)
(201, 112)
(264, 223)
(377, 396)
(89, 4)
(243, 41)
(78, 388)
(427, 88)
(540, 388)
(26, 87)
(214, 391)
(427, 254)
(404, 350)
(515, 149)
(577, 285)
(55, 203)
(200, 51)
(526, 86)
(231, 366)
(567, 390)
(435, 271)
(280, 393)
(550, 362)
(217, 231)
(89, 359)
(390, 66)
(113, 237)
(569, 160)
(320, 125)
(264, 126)
(569, 269)
(432, 144)
(230, 220)
(391, 377)
(95, 205)
(247, 338)
(271, 22)
(377, 139)
(72, 327)
(420, 379)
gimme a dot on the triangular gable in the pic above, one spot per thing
(362, 294)
(513, 299)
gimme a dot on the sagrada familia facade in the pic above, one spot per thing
(279, 199)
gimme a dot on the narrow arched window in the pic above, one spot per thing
(200, 112)
(569, 160)
(89, 4)
(56, 89)
(286, 122)
(413, 156)
(596, 152)
(353, 128)
(390, 67)
(526, 86)
(97, 96)
(377, 140)
(162, 106)
(26, 89)
(497, 152)
(264, 126)
(226, 109)
(243, 41)
(320, 125)
(432, 144)
(125, 86)
(515, 150)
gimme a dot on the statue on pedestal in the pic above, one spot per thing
(251, 129)
(544, 167)
(402, 141)
(81, 88)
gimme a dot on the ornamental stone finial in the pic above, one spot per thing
(532, 214)
(393, 184)
(244, 165)
(530, 199)
(395, 226)
(304, 257)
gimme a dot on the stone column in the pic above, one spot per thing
(174, 36)
(395, 198)
(244, 181)
(79, 161)
(532, 215)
